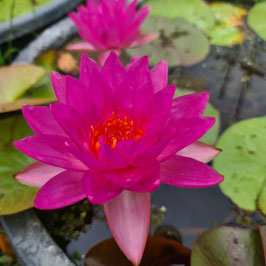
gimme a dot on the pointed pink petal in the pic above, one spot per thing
(98, 189)
(200, 151)
(128, 216)
(188, 130)
(60, 191)
(87, 67)
(59, 85)
(186, 172)
(81, 47)
(191, 105)
(41, 120)
(138, 179)
(143, 39)
(37, 174)
(50, 149)
(159, 76)
(113, 70)
(103, 55)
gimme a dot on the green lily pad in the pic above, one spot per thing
(257, 19)
(243, 163)
(196, 12)
(211, 136)
(225, 31)
(228, 246)
(14, 197)
(16, 80)
(179, 42)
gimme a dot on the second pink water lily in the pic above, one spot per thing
(113, 137)
(109, 25)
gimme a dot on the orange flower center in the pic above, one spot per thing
(113, 131)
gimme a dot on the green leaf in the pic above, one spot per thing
(242, 162)
(228, 246)
(179, 42)
(14, 197)
(16, 80)
(227, 17)
(211, 136)
(257, 19)
(196, 12)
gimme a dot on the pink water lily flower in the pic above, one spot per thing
(113, 137)
(109, 25)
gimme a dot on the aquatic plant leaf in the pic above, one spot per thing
(179, 43)
(158, 250)
(257, 19)
(5, 246)
(47, 60)
(14, 197)
(227, 17)
(196, 12)
(242, 162)
(228, 246)
(211, 136)
(16, 80)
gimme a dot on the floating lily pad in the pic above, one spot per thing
(225, 31)
(243, 163)
(228, 246)
(196, 12)
(16, 80)
(211, 136)
(179, 42)
(257, 19)
(14, 197)
(158, 251)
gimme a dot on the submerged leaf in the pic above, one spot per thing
(228, 246)
(179, 42)
(257, 19)
(243, 163)
(16, 80)
(158, 250)
(14, 197)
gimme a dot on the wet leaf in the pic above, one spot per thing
(196, 12)
(14, 197)
(211, 136)
(227, 17)
(158, 251)
(16, 80)
(16, 105)
(257, 19)
(179, 42)
(228, 246)
(243, 163)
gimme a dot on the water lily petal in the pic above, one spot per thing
(81, 47)
(191, 105)
(200, 151)
(62, 190)
(159, 76)
(143, 39)
(98, 189)
(186, 172)
(50, 149)
(37, 174)
(103, 55)
(128, 216)
(188, 130)
(41, 120)
(59, 85)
